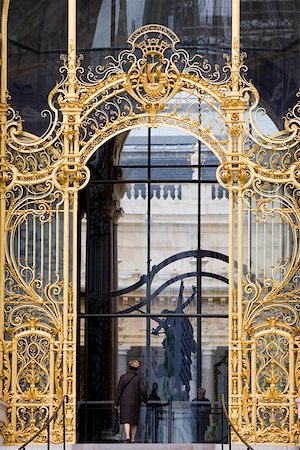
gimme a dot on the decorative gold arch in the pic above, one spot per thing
(152, 83)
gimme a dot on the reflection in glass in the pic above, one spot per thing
(167, 224)
(198, 23)
(270, 36)
(37, 35)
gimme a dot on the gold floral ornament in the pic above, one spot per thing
(71, 176)
(235, 175)
(152, 72)
(152, 79)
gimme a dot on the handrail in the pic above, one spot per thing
(233, 426)
(62, 403)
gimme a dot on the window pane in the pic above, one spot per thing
(269, 32)
(37, 35)
(168, 261)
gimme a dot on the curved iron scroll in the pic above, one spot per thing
(232, 425)
(189, 253)
(171, 281)
(148, 278)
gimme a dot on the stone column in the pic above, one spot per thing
(102, 209)
(208, 372)
(193, 383)
(122, 360)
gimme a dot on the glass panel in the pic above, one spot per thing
(214, 370)
(214, 218)
(167, 266)
(174, 292)
(174, 221)
(269, 33)
(108, 23)
(168, 350)
(169, 147)
(137, 175)
(135, 150)
(208, 163)
(106, 349)
(214, 344)
(175, 175)
(104, 26)
(34, 47)
(133, 238)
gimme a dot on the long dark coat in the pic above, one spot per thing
(130, 398)
(201, 410)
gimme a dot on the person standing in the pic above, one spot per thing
(131, 391)
(201, 410)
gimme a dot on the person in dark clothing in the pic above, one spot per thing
(201, 409)
(131, 390)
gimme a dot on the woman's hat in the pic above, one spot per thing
(134, 363)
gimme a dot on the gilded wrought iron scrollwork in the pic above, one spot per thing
(33, 306)
(151, 83)
(271, 309)
(28, 154)
(111, 116)
(37, 356)
(273, 225)
(34, 216)
(275, 156)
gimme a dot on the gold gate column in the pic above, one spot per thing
(68, 178)
(235, 183)
(5, 177)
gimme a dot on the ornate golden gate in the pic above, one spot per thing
(153, 83)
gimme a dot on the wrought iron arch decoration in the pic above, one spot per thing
(152, 83)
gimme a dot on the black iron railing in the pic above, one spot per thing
(232, 427)
(160, 422)
(46, 426)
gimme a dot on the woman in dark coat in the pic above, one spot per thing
(130, 392)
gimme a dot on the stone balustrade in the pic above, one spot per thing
(165, 192)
